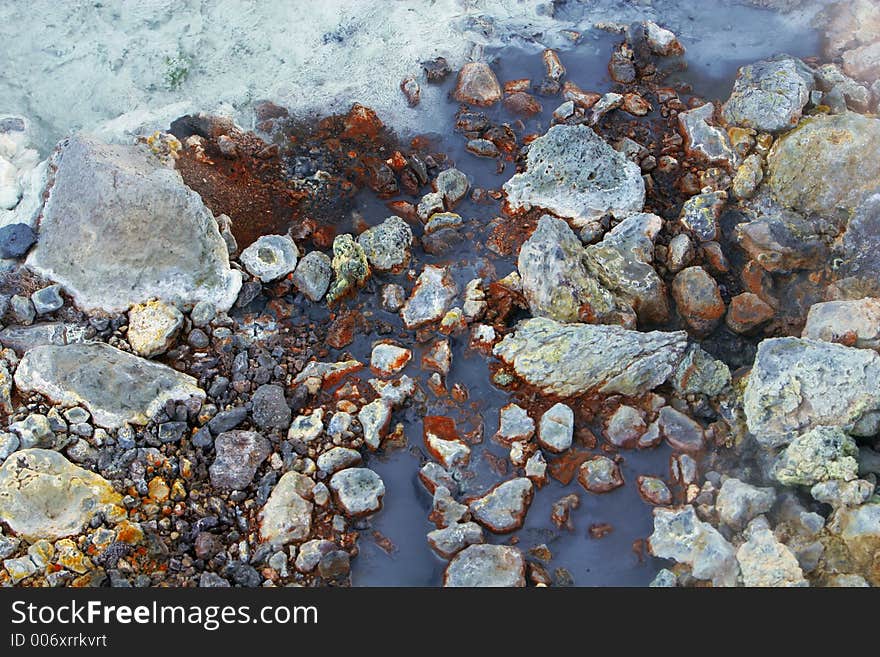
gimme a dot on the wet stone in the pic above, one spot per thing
(556, 428)
(374, 418)
(704, 140)
(433, 476)
(238, 454)
(338, 458)
(311, 552)
(700, 213)
(350, 267)
(654, 490)
(515, 425)
(452, 185)
(445, 511)
(600, 474)
(433, 293)
(270, 257)
(746, 312)
(393, 297)
(477, 85)
(358, 491)
(680, 431)
(449, 541)
(388, 359)
(482, 148)
(698, 299)
(486, 566)
(625, 426)
(503, 508)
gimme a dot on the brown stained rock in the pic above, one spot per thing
(635, 105)
(503, 508)
(747, 311)
(583, 99)
(698, 299)
(477, 85)
(411, 90)
(523, 103)
(654, 491)
(600, 474)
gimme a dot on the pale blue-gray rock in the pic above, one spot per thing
(313, 274)
(270, 257)
(769, 95)
(47, 299)
(486, 566)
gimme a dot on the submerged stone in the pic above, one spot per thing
(574, 174)
(115, 386)
(477, 85)
(138, 231)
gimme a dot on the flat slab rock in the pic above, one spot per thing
(797, 385)
(571, 359)
(45, 496)
(503, 509)
(486, 566)
(116, 387)
(574, 174)
(119, 227)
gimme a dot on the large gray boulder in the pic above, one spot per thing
(45, 496)
(769, 95)
(828, 165)
(116, 387)
(570, 359)
(797, 385)
(555, 280)
(574, 174)
(119, 227)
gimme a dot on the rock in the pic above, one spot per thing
(625, 426)
(859, 528)
(859, 247)
(514, 425)
(139, 232)
(269, 408)
(654, 490)
(312, 275)
(227, 420)
(536, 468)
(703, 140)
(434, 476)
(698, 299)
(350, 266)
(374, 418)
(452, 185)
(664, 579)
(358, 491)
(600, 474)
(486, 566)
(747, 311)
(555, 279)
(92, 375)
(781, 241)
(393, 297)
(450, 452)
(830, 78)
(152, 327)
(388, 359)
(680, 431)
(287, 515)
(661, 41)
(769, 95)
(839, 493)
(700, 213)
(438, 357)
(503, 508)
(863, 62)
(45, 496)
(430, 299)
(338, 458)
(853, 323)
(574, 174)
(764, 561)
(680, 253)
(556, 428)
(826, 166)
(571, 359)
(748, 176)
(238, 454)
(622, 264)
(310, 554)
(449, 541)
(34, 431)
(797, 385)
(270, 257)
(681, 536)
(334, 565)
(23, 310)
(477, 85)
(700, 374)
(821, 454)
(9, 443)
(16, 240)
(738, 503)
(47, 300)
(387, 246)
(445, 511)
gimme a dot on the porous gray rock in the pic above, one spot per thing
(139, 232)
(574, 174)
(387, 246)
(269, 408)
(764, 561)
(821, 454)
(95, 374)
(503, 508)
(769, 95)
(796, 385)
(358, 491)
(571, 359)
(270, 257)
